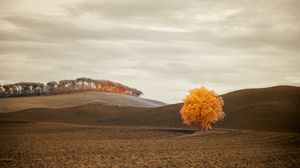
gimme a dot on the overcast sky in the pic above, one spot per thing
(162, 47)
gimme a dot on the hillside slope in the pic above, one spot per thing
(74, 99)
(267, 109)
(274, 108)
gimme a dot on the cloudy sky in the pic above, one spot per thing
(162, 47)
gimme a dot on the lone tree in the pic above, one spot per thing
(203, 107)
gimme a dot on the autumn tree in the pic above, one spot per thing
(202, 107)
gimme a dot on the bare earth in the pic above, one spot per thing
(71, 145)
(261, 129)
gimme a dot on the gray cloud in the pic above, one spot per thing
(161, 47)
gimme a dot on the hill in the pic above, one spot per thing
(274, 108)
(73, 99)
(267, 109)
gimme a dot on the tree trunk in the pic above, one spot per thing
(201, 129)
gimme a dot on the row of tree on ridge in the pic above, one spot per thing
(65, 86)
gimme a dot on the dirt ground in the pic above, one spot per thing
(66, 145)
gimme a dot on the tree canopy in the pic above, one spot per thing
(203, 107)
(66, 86)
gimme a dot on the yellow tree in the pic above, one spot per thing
(203, 107)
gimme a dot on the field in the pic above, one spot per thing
(67, 145)
(260, 129)
(73, 99)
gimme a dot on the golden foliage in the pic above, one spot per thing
(202, 107)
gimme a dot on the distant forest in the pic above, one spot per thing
(65, 86)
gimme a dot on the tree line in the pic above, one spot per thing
(65, 86)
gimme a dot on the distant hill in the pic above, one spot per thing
(266, 109)
(73, 99)
(273, 108)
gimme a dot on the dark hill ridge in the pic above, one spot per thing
(267, 109)
(274, 108)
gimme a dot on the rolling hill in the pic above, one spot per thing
(266, 109)
(274, 108)
(73, 99)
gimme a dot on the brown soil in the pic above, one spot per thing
(63, 145)
(261, 129)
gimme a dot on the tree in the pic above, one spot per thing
(89, 83)
(19, 88)
(203, 107)
(37, 88)
(63, 86)
(51, 87)
(2, 90)
(82, 82)
(7, 90)
(73, 85)
(22, 88)
(66, 86)
(28, 88)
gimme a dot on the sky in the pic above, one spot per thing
(162, 47)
